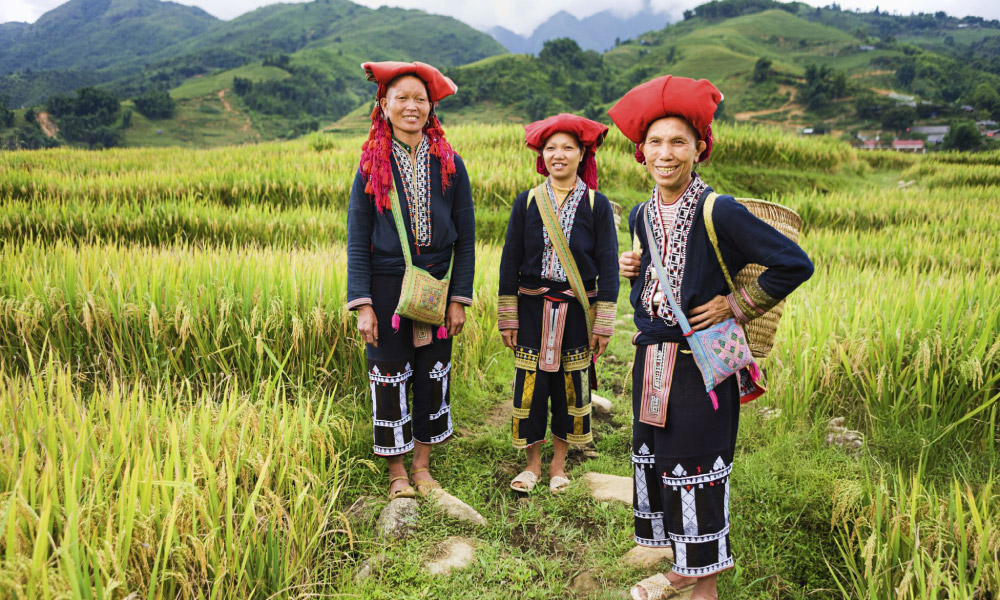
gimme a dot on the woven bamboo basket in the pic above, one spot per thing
(761, 331)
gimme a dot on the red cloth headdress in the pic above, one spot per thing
(667, 96)
(376, 152)
(590, 133)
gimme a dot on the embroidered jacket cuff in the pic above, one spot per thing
(463, 300)
(753, 301)
(734, 306)
(604, 319)
(358, 303)
(507, 312)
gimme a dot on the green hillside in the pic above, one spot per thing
(102, 35)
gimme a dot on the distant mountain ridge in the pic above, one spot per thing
(599, 32)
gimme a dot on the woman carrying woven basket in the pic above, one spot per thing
(560, 254)
(691, 361)
(410, 265)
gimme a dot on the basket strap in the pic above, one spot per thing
(714, 238)
(559, 243)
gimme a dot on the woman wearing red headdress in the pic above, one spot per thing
(540, 315)
(406, 152)
(682, 463)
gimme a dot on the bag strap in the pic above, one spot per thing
(397, 215)
(561, 246)
(661, 273)
(710, 227)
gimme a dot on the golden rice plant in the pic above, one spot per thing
(131, 491)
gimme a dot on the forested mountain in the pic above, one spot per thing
(9, 33)
(336, 35)
(599, 32)
(102, 35)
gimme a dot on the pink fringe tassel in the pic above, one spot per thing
(540, 165)
(395, 323)
(588, 170)
(754, 372)
(442, 333)
(715, 399)
(639, 156)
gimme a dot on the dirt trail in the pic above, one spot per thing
(225, 104)
(47, 124)
(750, 114)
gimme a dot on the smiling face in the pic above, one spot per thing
(562, 154)
(671, 148)
(407, 106)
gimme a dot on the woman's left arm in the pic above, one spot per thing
(743, 235)
(464, 216)
(606, 256)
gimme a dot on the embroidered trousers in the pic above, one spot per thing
(681, 471)
(397, 367)
(552, 370)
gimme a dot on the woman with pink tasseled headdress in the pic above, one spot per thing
(406, 151)
(540, 313)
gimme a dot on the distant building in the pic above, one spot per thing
(808, 131)
(871, 145)
(995, 133)
(986, 125)
(935, 133)
(967, 108)
(866, 47)
(915, 146)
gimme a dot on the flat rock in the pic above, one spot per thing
(456, 508)
(585, 584)
(648, 558)
(602, 405)
(456, 553)
(398, 518)
(609, 487)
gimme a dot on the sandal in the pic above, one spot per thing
(527, 479)
(558, 484)
(406, 492)
(425, 488)
(657, 587)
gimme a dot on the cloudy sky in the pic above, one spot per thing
(523, 16)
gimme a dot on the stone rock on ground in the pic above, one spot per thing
(398, 518)
(456, 508)
(602, 405)
(848, 439)
(457, 553)
(609, 487)
(585, 585)
(648, 558)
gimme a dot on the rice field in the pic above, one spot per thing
(182, 393)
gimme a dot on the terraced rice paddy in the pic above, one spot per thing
(183, 408)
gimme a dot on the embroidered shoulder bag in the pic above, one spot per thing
(719, 351)
(423, 298)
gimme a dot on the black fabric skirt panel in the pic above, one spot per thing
(397, 370)
(681, 471)
(563, 393)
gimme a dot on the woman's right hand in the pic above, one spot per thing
(628, 264)
(368, 325)
(509, 338)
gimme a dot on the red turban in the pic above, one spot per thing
(668, 96)
(438, 86)
(376, 152)
(590, 133)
